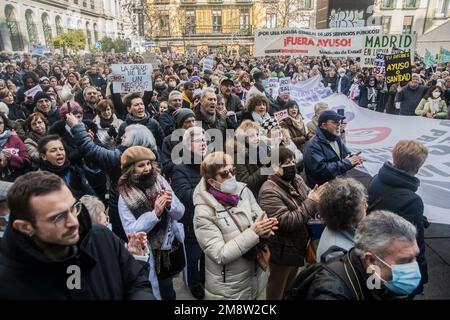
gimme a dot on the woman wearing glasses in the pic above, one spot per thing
(228, 223)
(54, 160)
(147, 204)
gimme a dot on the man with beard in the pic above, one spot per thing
(43, 105)
(160, 86)
(50, 240)
(410, 95)
(206, 114)
(232, 101)
(167, 119)
(188, 94)
(325, 155)
(90, 95)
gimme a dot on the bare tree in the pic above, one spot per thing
(289, 12)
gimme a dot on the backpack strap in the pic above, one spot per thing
(346, 272)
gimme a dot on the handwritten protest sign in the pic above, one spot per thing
(280, 115)
(132, 77)
(285, 84)
(398, 68)
(32, 92)
(38, 50)
(208, 63)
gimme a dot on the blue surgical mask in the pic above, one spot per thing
(264, 82)
(109, 226)
(405, 277)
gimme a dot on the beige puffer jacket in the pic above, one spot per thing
(228, 274)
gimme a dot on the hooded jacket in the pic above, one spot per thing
(395, 190)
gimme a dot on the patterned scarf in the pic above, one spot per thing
(4, 136)
(225, 199)
(297, 123)
(34, 136)
(141, 201)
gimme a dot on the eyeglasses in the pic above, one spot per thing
(61, 219)
(224, 174)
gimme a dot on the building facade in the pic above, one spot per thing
(24, 24)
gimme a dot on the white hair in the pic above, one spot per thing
(139, 135)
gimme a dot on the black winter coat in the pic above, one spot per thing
(148, 122)
(185, 179)
(328, 286)
(167, 122)
(321, 162)
(108, 271)
(395, 190)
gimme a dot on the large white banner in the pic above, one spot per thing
(309, 91)
(375, 134)
(339, 43)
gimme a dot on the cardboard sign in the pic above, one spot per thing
(32, 92)
(280, 115)
(379, 66)
(398, 68)
(208, 63)
(132, 77)
(285, 85)
(38, 50)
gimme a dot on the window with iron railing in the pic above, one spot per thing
(304, 4)
(408, 24)
(388, 4)
(410, 4)
(441, 10)
(271, 20)
(244, 20)
(217, 20)
(386, 22)
(190, 22)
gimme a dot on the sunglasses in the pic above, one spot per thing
(224, 174)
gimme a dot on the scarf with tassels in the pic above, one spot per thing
(142, 201)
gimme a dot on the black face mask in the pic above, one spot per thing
(289, 173)
(144, 181)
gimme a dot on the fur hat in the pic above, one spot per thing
(135, 154)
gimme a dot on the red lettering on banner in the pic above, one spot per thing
(298, 41)
(334, 42)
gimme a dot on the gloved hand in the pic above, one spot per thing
(112, 132)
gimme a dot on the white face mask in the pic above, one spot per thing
(436, 94)
(172, 84)
(229, 185)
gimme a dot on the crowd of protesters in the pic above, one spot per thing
(71, 146)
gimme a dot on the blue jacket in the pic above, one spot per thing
(108, 161)
(321, 162)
